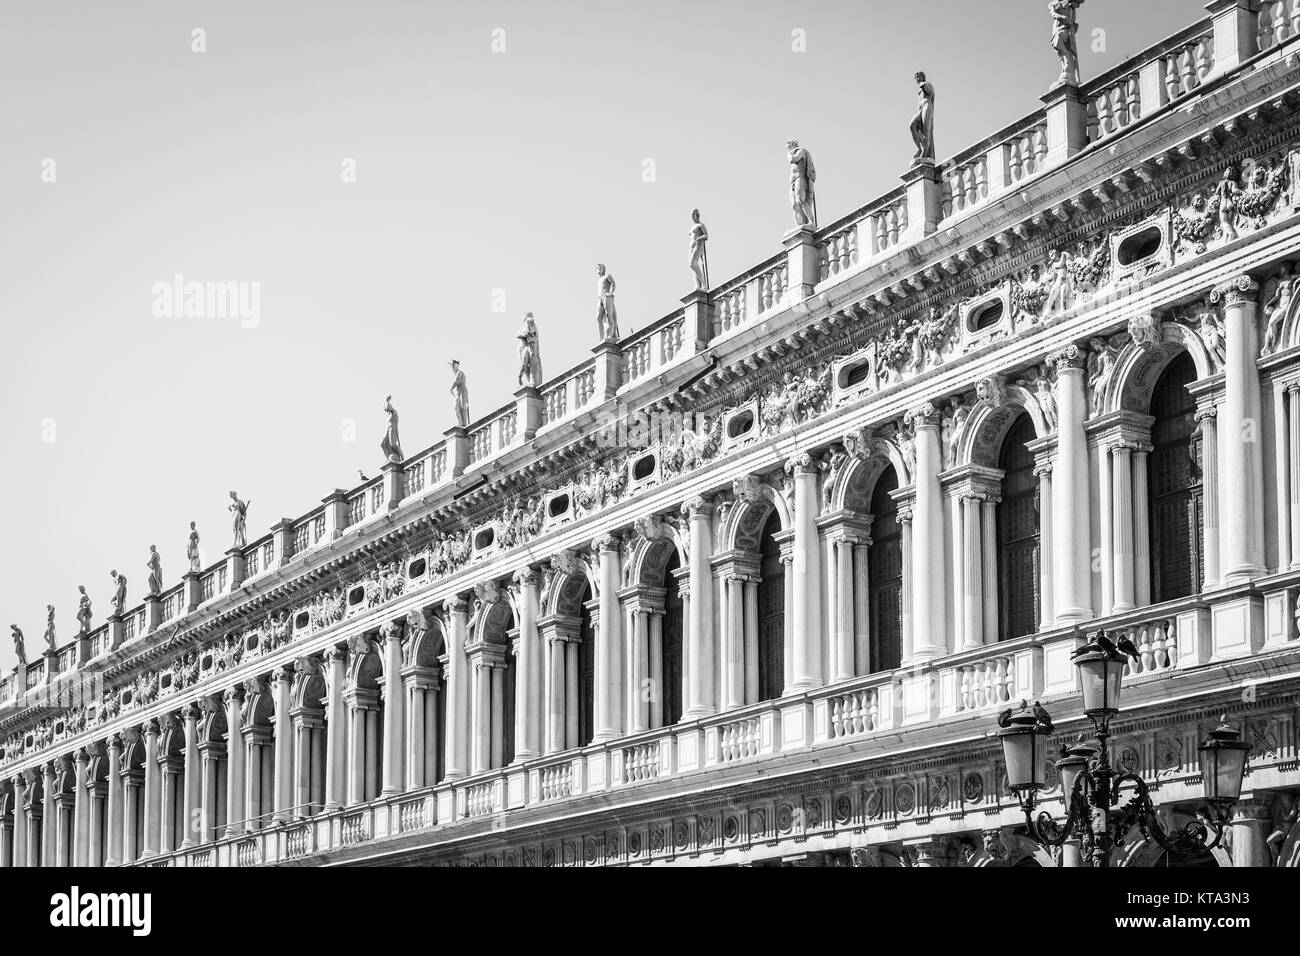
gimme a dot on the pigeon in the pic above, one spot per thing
(1004, 718)
(1126, 646)
(362, 475)
(1106, 644)
(1043, 716)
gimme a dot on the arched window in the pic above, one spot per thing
(586, 674)
(885, 576)
(771, 613)
(1018, 556)
(672, 651)
(1175, 486)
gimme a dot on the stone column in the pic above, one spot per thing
(255, 739)
(1141, 528)
(701, 653)
(640, 671)
(929, 622)
(481, 716)
(496, 752)
(212, 800)
(1122, 525)
(529, 714)
(1207, 421)
(807, 575)
(734, 636)
(1281, 473)
(132, 787)
(655, 653)
(282, 778)
(905, 591)
(609, 643)
(81, 810)
(152, 789)
(390, 640)
(20, 821)
(421, 757)
(457, 730)
(97, 792)
(972, 574)
(751, 640)
(114, 810)
(235, 757)
(193, 796)
(845, 668)
(336, 732)
(1243, 461)
(1071, 538)
(1250, 820)
(555, 738)
(989, 508)
(169, 768)
(571, 694)
(1046, 617)
(1293, 453)
(861, 607)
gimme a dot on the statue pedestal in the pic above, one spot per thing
(193, 591)
(83, 648)
(393, 473)
(115, 631)
(801, 258)
(457, 450)
(19, 684)
(924, 199)
(152, 612)
(336, 514)
(699, 320)
(282, 535)
(1235, 36)
(609, 371)
(1067, 123)
(50, 662)
(234, 569)
(528, 410)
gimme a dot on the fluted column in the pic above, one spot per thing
(929, 620)
(458, 690)
(1293, 454)
(481, 716)
(905, 590)
(555, 739)
(702, 653)
(282, 780)
(1046, 593)
(1071, 539)
(390, 639)
(989, 523)
(845, 668)
(152, 789)
(20, 821)
(571, 703)
(167, 765)
(609, 642)
(1243, 461)
(751, 640)
(972, 574)
(734, 638)
(861, 607)
(115, 809)
(193, 795)
(212, 801)
(336, 732)
(637, 698)
(807, 571)
(81, 811)
(98, 793)
(1122, 525)
(529, 706)
(1282, 475)
(1207, 420)
(1141, 528)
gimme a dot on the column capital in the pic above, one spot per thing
(1070, 358)
(606, 542)
(1235, 291)
(149, 728)
(115, 743)
(802, 464)
(189, 712)
(459, 604)
(697, 507)
(527, 577)
(925, 415)
(1207, 413)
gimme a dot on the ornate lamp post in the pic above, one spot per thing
(1092, 788)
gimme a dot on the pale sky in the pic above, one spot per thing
(480, 176)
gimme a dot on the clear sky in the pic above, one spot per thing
(482, 179)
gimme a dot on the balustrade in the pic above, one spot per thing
(739, 739)
(838, 252)
(772, 286)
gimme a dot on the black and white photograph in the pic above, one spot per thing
(743, 434)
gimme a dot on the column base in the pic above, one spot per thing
(803, 684)
(694, 713)
(1074, 615)
(1243, 574)
(523, 756)
(1122, 607)
(391, 792)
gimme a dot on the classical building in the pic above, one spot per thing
(752, 584)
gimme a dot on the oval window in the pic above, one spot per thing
(1140, 245)
(302, 620)
(417, 568)
(644, 467)
(740, 424)
(986, 316)
(557, 506)
(484, 539)
(857, 374)
(356, 595)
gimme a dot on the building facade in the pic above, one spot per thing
(751, 585)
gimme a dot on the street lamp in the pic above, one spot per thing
(1092, 788)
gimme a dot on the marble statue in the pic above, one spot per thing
(803, 181)
(1047, 402)
(155, 571)
(1293, 176)
(606, 315)
(83, 610)
(192, 549)
(119, 593)
(699, 256)
(951, 426)
(20, 647)
(1227, 191)
(530, 355)
(1212, 335)
(1276, 308)
(1102, 356)
(392, 444)
(50, 637)
(239, 511)
(923, 122)
(459, 395)
(1065, 27)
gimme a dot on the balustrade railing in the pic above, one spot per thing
(297, 842)
(772, 286)
(729, 311)
(555, 781)
(888, 225)
(1279, 21)
(584, 385)
(555, 404)
(838, 252)
(739, 739)
(855, 713)
(1157, 644)
(1114, 107)
(248, 853)
(641, 762)
(411, 816)
(670, 341)
(480, 799)
(636, 360)
(356, 509)
(354, 829)
(1186, 67)
(965, 185)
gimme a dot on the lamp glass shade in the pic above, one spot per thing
(1069, 769)
(1101, 676)
(1223, 764)
(1022, 750)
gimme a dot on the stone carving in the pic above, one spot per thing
(530, 355)
(50, 632)
(1065, 26)
(392, 443)
(1046, 399)
(1242, 197)
(239, 512)
(1029, 292)
(1144, 330)
(606, 314)
(459, 396)
(192, 549)
(831, 464)
(795, 400)
(803, 185)
(1277, 302)
(1210, 330)
(119, 592)
(327, 607)
(922, 126)
(83, 610)
(991, 391)
(155, 571)
(934, 334)
(601, 485)
(954, 421)
(699, 261)
(1194, 224)
(1102, 355)
(521, 521)
(1226, 191)
(20, 647)
(450, 553)
(905, 438)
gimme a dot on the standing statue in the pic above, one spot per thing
(530, 356)
(1276, 308)
(803, 182)
(50, 637)
(392, 444)
(155, 571)
(192, 549)
(1065, 27)
(1227, 191)
(119, 593)
(459, 395)
(606, 315)
(1293, 176)
(1212, 335)
(239, 511)
(20, 647)
(1047, 402)
(923, 122)
(83, 610)
(1102, 355)
(699, 256)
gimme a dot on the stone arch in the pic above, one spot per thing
(493, 620)
(563, 596)
(651, 556)
(1140, 851)
(365, 668)
(309, 688)
(745, 522)
(427, 644)
(1137, 369)
(856, 484)
(981, 440)
(1016, 850)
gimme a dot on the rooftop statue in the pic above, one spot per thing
(459, 395)
(803, 180)
(1065, 27)
(699, 255)
(155, 571)
(392, 444)
(239, 511)
(530, 356)
(119, 593)
(83, 609)
(923, 122)
(192, 549)
(50, 637)
(20, 647)
(606, 314)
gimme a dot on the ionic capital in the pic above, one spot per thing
(1072, 357)
(606, 542)
(697, 507)
(1236, 291)
(925, 415)
(802, 464)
